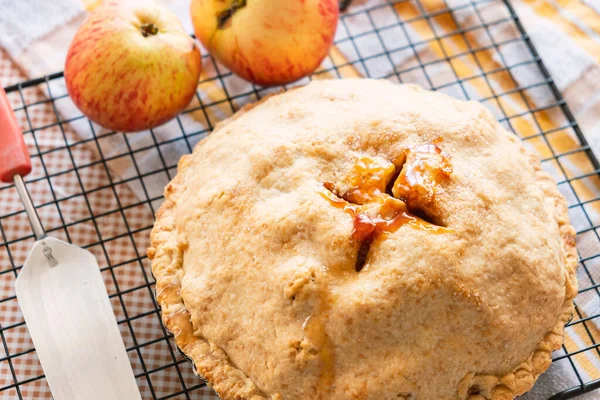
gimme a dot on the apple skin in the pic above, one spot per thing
(268, 42)
(126, 81)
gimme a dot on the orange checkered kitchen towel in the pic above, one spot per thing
(477, 40)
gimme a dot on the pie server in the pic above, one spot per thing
(64, 300)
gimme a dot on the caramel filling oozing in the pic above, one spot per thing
(381, 196)
(425, 169)
(362, 194)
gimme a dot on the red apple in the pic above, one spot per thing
(131, 66)
(268, 42)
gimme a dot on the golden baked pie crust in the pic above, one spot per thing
(213, 365)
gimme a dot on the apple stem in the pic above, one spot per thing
(149, 29)
(225, 16)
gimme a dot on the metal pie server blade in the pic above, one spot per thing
(63, 299)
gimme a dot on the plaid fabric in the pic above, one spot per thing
(100, 189)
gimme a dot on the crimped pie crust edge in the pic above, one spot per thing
(213, 365)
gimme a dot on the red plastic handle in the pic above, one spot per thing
(14, 157)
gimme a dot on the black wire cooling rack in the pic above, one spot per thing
(80, 198)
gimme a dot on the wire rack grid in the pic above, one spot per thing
(100, 189)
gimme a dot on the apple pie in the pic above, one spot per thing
(360, 239)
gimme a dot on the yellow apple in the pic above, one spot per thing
(268, 42)
(131, 66)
